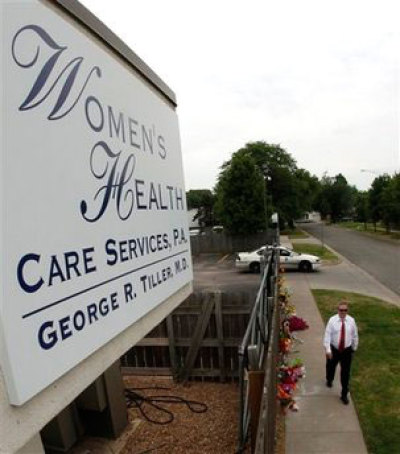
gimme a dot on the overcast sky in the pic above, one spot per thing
(320, 78)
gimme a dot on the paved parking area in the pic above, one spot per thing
(213, 272)
(218, 272)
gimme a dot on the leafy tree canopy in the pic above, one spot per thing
(336, 197)
(240, 196)
(376, 196)
(197, 198)
(391, 202)
(289, 191)
(362, 206)
(268, 157)
(262, 178)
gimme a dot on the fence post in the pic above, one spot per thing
(171, 345)
(220, 334)
(256, 383)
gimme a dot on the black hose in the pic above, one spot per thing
(138, 400)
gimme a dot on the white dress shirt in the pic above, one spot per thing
(332, 333)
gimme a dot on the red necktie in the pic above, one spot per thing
(342, 338)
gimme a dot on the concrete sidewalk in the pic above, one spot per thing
(323, 423)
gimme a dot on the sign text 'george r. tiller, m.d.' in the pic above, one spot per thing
(94, 226)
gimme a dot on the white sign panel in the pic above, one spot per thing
(93, 215)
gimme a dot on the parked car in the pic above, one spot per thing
(289, 260)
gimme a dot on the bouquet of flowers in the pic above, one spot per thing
(284, 396)
(284, 344)
(296, 362)
(297, 323)
(289, 375)
(286, 399)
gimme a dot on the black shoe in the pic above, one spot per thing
(328, 384)
(345, 400)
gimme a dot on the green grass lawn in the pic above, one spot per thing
(375, 382)
(294, 233)
(316, 249)
(369, 228)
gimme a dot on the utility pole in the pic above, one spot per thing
(322, 236)
(266, 179)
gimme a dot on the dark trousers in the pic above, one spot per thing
(344, 358)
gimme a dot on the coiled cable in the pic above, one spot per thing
(135, 399)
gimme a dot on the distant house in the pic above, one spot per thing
(310, 216)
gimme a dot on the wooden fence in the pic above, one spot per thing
(224, 243)
(199, 339)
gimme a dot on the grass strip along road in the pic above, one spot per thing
(376, 367)
(370, 229)
(316, 249)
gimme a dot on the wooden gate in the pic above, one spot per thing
(199, 339)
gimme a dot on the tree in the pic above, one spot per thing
(284, 181)
(282, 192)
(375, 197)
(336, 197)
(240, 196)
(342, 198)
(308, 188)
(362, 207)
(322, 201)
(391, 202)
(269, 157)
(203, 200)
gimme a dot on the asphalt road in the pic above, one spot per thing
(378, 257)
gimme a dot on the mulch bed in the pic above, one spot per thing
(212, 432)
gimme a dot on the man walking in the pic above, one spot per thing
(340, 341)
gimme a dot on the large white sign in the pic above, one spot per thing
(93, 215)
